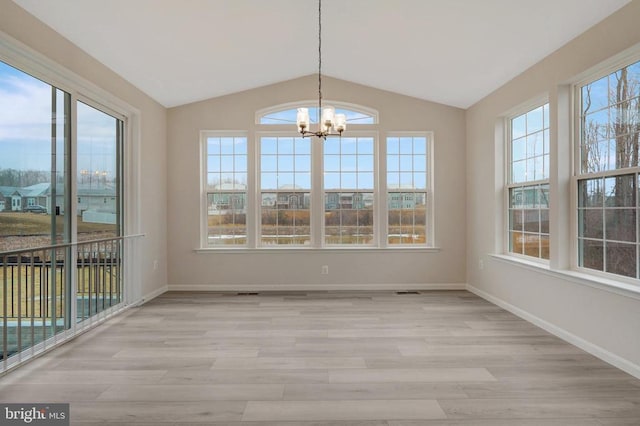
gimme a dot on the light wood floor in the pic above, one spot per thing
(361, 358)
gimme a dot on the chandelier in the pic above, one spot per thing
(329, 123)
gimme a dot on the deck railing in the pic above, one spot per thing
(40, 298)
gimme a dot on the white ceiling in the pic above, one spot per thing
(450, 51)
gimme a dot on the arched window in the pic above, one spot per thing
(286, 113)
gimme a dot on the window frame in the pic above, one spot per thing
(204, 214)
(604, 69)
(522, 110)
(377, 195)
(430, 228)
(257, 170)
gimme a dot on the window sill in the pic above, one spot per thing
(600, 283)
(307, 250)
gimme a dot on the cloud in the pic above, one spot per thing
(25, 105)
(25, 125)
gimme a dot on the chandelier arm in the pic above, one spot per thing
(319, 134)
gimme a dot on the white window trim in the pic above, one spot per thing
(430, 200)
(601, 281)
(318, 193)
(521, 109)
(605, 68)
(204, 226)
(257, 199)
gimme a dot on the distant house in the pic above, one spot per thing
(406, 200)
(96, 202)
(348, 200)
(226, 197)
(287, 197)
(18, 199)
(6, 198)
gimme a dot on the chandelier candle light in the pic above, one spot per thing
(330, 123)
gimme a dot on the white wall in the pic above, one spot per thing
(601, 321)
(300, 269)
(23, 27)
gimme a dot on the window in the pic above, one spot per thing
(287, 115)
(285, 182)
(528, 187)
(33, 135)
(407, 190)
(609, 173)
(226, 190)
(349, 190)
(286, 191)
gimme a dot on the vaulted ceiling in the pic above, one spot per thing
(453, 52)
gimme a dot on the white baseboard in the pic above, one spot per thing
(595, 350)
(315, 287)
(150, 296)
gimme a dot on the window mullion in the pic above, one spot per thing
(382, 194)
(317, 194)
(253, 193)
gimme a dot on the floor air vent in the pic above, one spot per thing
(408, 292)
(248, 293)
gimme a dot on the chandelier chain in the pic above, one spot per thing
(329, 123)
(319, 56)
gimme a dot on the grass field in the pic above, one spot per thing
(29, 291)
(26, 286)
(23, 223)
(19, 230)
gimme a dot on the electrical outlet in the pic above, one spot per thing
(156, 264)
(324, 270)
(481, 264)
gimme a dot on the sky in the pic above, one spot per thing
(25, 127)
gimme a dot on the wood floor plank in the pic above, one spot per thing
(157, 412)
(342, 410)
(501, 422)
(173, 392)
(54, 393)
(88, 377)
(289, 363)
(380, 391)
(424, 375)
(246, 376)
(539, 408)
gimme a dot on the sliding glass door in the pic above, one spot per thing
(99, 218)
(61, 206)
